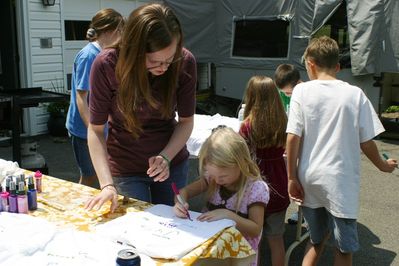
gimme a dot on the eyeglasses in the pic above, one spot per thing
(166, 64)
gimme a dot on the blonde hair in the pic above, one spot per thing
(265, 112)
(323, 51)
(225, 148)
(149, 28)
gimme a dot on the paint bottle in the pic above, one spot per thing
(17, 179)
(21, 198)
(22, 178)
(38, 179)
(8, 180)
(241, 113)
(32, 194)
(12, 199)
(4, 201)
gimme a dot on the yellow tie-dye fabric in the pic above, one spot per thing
(62, 203)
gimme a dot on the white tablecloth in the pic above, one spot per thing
(203, 125)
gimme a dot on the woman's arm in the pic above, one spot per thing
(98, 154)
(179, 137)
(177, 141)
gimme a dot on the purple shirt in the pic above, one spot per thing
(129, 156)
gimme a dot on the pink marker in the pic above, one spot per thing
(179, 198)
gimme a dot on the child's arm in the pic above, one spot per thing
(189, 191)
(370, 149)
(295, 189)
(250, 227)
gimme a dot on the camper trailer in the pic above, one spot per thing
(232, 40)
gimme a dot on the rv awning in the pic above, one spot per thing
(373, 28)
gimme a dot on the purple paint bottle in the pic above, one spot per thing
(12, 200)
(32, 194)
(21, 198)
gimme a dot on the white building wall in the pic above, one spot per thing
(45, 67)
(48, 67)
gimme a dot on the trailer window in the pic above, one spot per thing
(337, 28)
(75, 30)
(260, 38)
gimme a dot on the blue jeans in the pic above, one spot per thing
(143, 187)
(82, 156)
(343, 231)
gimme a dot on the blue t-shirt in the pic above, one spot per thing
(80, 81)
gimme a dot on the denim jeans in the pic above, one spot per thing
(143, 187)
(82, 156)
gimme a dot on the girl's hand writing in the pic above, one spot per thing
(181, 210)
(108, 193)
(158, 168)
(215, 215)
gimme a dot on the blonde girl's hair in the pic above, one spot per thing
(149, 28)
(104, 20)
(225, 148)
(265, 112)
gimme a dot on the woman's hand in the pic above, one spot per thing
(215, 215)
(107, 193)
(158, 168)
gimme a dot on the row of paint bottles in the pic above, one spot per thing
(16, 198)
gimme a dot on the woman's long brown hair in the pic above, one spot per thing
(149, 28)
(265, 111)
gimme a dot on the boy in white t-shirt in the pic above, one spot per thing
(329, 122)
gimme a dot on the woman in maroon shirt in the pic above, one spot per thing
(137, 87)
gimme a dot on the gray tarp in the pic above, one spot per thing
(373, 27)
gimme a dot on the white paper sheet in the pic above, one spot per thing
(158, 233)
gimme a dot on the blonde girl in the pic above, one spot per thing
(232, 184)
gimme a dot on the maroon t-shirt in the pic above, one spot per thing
(272, 167)
(129, 156)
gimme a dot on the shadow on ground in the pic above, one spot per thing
(369, 253)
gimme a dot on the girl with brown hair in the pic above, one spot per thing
(137, 87)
